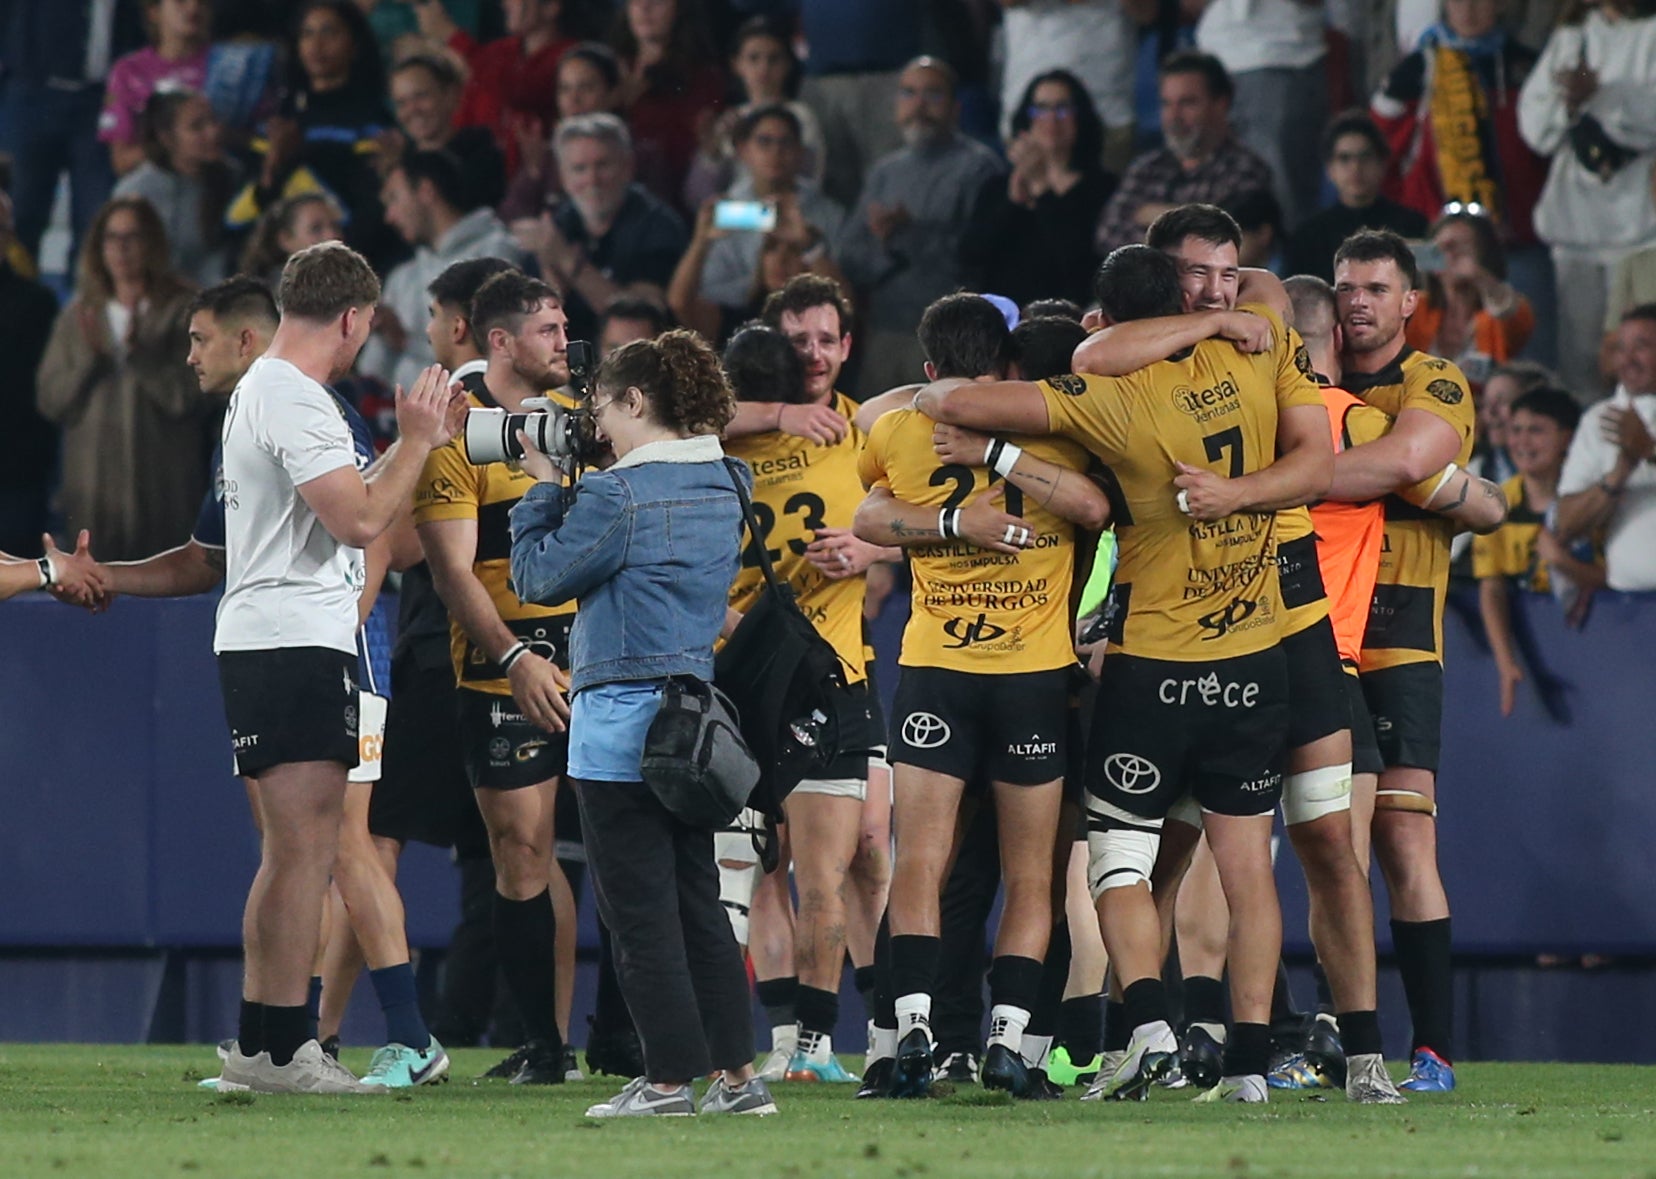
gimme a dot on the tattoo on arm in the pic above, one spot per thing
(1466, 486)
(1030, 475)
(904, 532)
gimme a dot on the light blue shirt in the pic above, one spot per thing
(607, 727)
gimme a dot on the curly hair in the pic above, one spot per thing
(680, 378)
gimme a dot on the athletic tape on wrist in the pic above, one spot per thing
(1005, 459)
(513, 653)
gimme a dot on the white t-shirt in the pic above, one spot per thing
(1630, 543)
(288, 582)
(1094, 40)
(1263, 34)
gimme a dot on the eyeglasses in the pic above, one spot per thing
(1062, 111)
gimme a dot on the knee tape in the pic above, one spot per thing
(1404, 800)
(1121, 848)
(738, 864)
(1315, 793)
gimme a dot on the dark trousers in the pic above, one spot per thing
(49, 132)
(680, 971)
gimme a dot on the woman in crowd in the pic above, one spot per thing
(725, 275)
(137, 430)
(513, 83)
(1031, 234)
(763, 63)
(182, 33)
(288, 227)
(1469, 313)
(1590, 104)
(654, 540)
(672, 86)
(189, 180)
(425, 96)
(327, 135)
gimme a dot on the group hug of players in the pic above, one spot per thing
(1254, 653)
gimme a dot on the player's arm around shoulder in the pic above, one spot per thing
(1060, 488)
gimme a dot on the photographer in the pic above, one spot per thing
(653, 541)
(508, 662)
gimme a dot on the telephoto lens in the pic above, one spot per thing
(492, 435)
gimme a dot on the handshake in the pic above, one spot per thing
(75, 578)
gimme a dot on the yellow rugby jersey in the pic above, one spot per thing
(799, 487)
(1509, 551)
(973, 610)
(1186, 590)
(451, 488)
(1406, 622)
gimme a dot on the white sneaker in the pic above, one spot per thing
(1152, 1055)
(783, 1047)
(1250, 1090)
(1368, 1082)
(640, 1099)
(310, 1071)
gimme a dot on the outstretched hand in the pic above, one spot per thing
(77, 578)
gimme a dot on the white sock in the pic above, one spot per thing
(785, 1036)
(883, 1044)
(1217, 1030)
(817, 1046)
(913, 1011)
(1007, 1024)
(1036, 1049)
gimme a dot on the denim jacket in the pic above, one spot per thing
(649, 548)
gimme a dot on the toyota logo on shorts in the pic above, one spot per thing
(1131, 774)
(923, 730)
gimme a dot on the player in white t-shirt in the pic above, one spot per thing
(297, 515)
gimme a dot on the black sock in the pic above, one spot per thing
(1145, 1002)
(1204, 1000)
(1049, 997)
(1117, 1031)
(867, 978)
(525, 934)
(1248, 1050)
(1081, 1027)
(313, 1004)
(1359, 1032)
(1282, 997)
(885, 999)
(913, 965)
(818, 1010)
(1015, 982)
(250, 1029)
(1424, 961)
(1325, 996)
(779, 998)
(286, 1030)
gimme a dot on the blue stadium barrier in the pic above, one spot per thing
(125, 839)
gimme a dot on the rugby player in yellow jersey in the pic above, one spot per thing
(812, 312)
(1194, 697)
(802, 490)
(1204, 242)
(1375, 281)
(984, 687)
(508, 662)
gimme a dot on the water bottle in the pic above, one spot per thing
(807, 730)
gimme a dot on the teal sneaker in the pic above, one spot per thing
(831, 1071)
(1061, 1070)
(397, 1066)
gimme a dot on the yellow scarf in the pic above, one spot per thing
(1460, 131)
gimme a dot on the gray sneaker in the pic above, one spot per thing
(310, 1071)
(751, 1098)
(640, 1099)
(1368, 1082)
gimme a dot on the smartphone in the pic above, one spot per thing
(758, 216)
(1427, 256)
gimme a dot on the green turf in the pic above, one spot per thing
(134, 1112)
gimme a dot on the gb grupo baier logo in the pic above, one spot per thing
(925, 730)
(1131, 774)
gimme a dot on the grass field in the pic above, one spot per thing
(134, 1112)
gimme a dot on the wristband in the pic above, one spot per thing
(1001, 457)
(513, 653)
(48, 575)
(948, 523)
(1448, 474)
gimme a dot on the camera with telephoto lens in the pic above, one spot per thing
(555, 430)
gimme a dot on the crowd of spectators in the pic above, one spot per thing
(675, 161)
